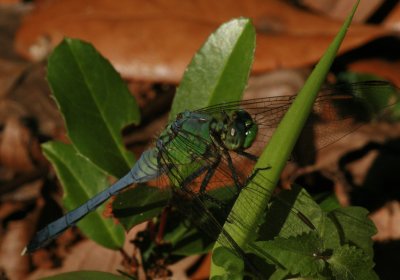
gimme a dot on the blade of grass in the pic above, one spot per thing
(277, 152)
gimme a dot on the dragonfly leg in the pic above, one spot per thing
(209, 168)
(185, 183)
(210, 173)
(247, 155)
(251, 177)
(233, 170)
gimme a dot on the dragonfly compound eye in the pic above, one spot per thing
(240, 132)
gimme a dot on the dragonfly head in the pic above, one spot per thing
(240, 131)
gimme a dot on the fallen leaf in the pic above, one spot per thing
(338, 9)
(393, 20)
(12, 243)
(8, 207)
(32, 94)
(387, 220)
(10, 72)
(10, 2)
(15, 146)
(87, 255)
(203, 272)
(155, 42)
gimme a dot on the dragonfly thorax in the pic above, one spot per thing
(237, 131)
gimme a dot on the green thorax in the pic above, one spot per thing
(197, 135)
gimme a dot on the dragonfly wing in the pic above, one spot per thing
(338, 111)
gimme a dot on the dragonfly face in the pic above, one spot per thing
(238, 131)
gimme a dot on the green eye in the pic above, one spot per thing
(251, 134)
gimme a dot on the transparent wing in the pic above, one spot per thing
(338, 111)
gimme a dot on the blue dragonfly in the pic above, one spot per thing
(217, 146)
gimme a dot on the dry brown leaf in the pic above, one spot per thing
(13, 241)
(155, 41)
(9, 207)
(33, 95)
(9, 73)
(9, 2)
(87, 255)
(203, 272)
(385, 69)
(387, 221)
(339, 9)
(393, 20)
(15, 146)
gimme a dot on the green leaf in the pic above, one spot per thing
(139, 204)
(294, 213)
(282, 218)
(355, 227)
(95, 103)
(219, 71)
(273, 159)
(82, 180)
(299, 255)
(224, 257)
(327, 201)
(85, 275)
(349, 262)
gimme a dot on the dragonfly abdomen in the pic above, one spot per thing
(146, 168)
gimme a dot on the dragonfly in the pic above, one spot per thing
(217, 146)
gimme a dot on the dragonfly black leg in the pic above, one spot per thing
(210, 173)
(185, 183)
(210, 169)
(233, 170)
(247, 155)
(255, 173)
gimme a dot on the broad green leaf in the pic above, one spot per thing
(328, 202)
(226, 258)
(139, 204)
(299, 255)
(86, 275)
(355, 227)
(350, 263)
(219, 71)
(282, 218)
(82, 180)
(294, 213)
(95, 104)
(274, 157)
